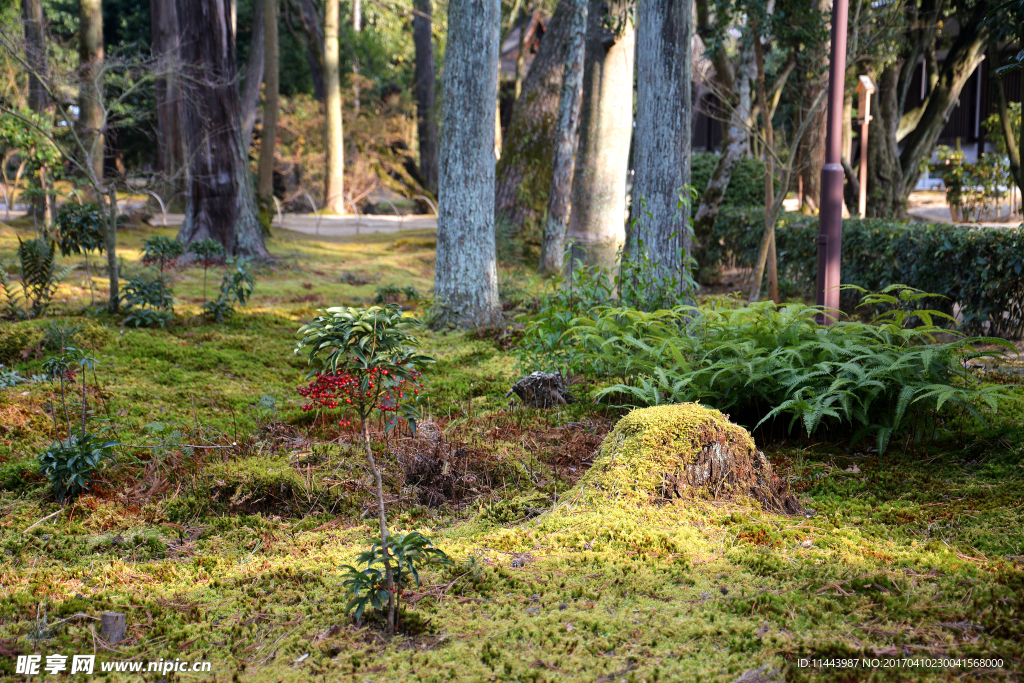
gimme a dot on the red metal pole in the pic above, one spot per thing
(830, 216)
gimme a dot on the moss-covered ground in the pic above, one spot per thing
(222, 528)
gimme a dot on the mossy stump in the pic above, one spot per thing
(686, 451)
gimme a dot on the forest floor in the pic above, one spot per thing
(222, 530)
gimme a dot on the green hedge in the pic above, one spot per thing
(746, 186)
(979, 269)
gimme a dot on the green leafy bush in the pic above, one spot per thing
(148, 301)
(161, 251)
(978, 272)
(746, 186)
(70, 464)
(236, 287)
(972, 190)
(760, 362)
(207, 252)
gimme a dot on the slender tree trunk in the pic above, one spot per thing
(523, 175)
(466, 279)
(170, 139)
(110, 242)
(734, 146)
(268, 136)
(334, 190)
(314, 41)
(524, 19)
(769, 164)
(90, 97)
(357, 28)
(426, 115)
(662, 143)
(221, 201)
(35, 54)
(254, 70)
(552, 253)
(597, 224)
(1012, 147)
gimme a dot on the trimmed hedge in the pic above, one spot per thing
(746, 185)
(980, 270)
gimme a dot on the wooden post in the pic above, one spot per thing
(864, 89)
(112, 626)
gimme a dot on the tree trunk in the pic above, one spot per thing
(597, 222)
(334, 188)
(552, 253)
(734, 146)
(466, 279)
(250, 96)
(811, 156)
(314, 41)
(662, 143)
(426, 115)
(90, 94)
(885, 176)
(382, 520)
(523, 175)
(221, 202)
(357, 27)
(170, 140)
(35, 54)
(957, 67)
(769, 166)
(1012, 147)
(110, 242)
(268, 136)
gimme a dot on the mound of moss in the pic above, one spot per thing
(685, 451)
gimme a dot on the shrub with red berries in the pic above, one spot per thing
(385, 391)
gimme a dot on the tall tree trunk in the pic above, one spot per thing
(268, 136)
(357, 28)
(466, 279)
(811, 156)
(523, 175)
(734, 143)
(885, 177)
(662, 143)
(90, 96)
(250, 96)
(35, 54)
(334, 189)
(597, 223)
(769, 166)
(1012, 146)
(426, 116)
(221, 201)
(961, 60)
(552, 252)
(170, 139)
(314, 42)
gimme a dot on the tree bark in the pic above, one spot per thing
(662, 143)
(769, 166)
(552, 253)
(221, 201)
(523, 175)
(1012, 148)
(268, 135)
(254, 70)
(426, 114)
(35, 54)
(597, 223)
(885, 178)
(170, 139)
(90, 94)
(466, 277)
(734, 143)
(314, 40)
(334, 190)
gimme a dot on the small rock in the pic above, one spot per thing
(563, 606)
(724, 590)
(534, 598)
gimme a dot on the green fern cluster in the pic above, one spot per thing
(40, 277)
(761, 362)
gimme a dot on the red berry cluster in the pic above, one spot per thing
(342, 389)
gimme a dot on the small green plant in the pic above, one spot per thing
(236, 287)
(392, 294)
(80, 230)
(972, 190)
(10, 378)
(148, 301)
(208, 252)
(58, 335)
(368, 587)
(40, 278)
(369, 354)
(161, 251)
(70, 464)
